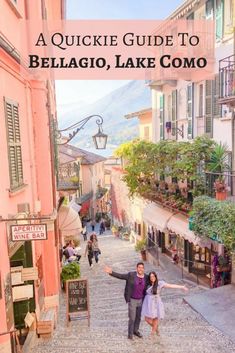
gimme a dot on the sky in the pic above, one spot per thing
(89, 91)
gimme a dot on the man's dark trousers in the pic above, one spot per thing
(134, 314)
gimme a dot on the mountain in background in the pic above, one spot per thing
(129, 98)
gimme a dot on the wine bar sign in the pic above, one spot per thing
(24, 232)
(77, 300)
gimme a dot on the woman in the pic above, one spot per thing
(152, 308)
(89, 252)
(95, 246)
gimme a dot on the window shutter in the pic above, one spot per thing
(215, 95)
(200, 108)
(190, 110)
(208, 108)
(219, 18)
(14, 144)
(174, 112)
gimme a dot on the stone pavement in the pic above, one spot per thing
(218, 308)
(182, 331)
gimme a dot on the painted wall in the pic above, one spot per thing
(36, 106)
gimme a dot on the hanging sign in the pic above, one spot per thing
(77, 300)
(27, 232)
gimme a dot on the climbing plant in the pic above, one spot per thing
(214, 219)
(145, 162)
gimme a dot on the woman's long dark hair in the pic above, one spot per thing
(155, 285)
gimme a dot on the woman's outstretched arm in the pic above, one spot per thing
(175, 286)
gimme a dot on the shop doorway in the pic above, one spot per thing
(21, 306)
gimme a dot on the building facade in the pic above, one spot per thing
(28, 188)
(183, 110)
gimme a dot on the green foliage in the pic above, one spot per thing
(70, 271)
(219, 159)
(214, 219)
(145, 162)
(141, 245)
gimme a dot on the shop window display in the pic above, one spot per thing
(201, 260)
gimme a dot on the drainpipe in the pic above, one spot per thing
(53, 172)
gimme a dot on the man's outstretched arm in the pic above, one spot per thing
(109, 270)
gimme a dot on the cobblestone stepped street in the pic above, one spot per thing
(182, 330)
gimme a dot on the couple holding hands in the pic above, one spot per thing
(142, 293)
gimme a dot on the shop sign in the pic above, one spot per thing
(29, 274)
(77, 300)
(25, 232)
(22, 292)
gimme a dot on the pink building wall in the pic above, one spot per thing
(34, 112)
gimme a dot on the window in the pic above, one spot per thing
(169, 108)
(190, 110)
(146, 133)
(14, 144)
(210, 9)
(162, 120)
(191, 16)
(200, 101)
(219, 18)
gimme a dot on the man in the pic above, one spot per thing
(135, 289)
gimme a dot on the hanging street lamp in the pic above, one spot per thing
(100, 139)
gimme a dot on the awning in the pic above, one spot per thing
(156, 216)
(179, 224)
(69, 222)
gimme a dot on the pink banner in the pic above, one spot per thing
(136, 50)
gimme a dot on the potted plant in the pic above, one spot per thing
(219, 164)
(220, 189)
(141, 246)
(70, 271)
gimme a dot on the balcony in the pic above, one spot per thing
(68, 177)
(227, 80)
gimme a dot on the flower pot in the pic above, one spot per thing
(221, 195)
(144, 255)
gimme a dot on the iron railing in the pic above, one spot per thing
(227, 77)
(227, 177)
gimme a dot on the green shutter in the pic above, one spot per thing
(219, 17)
(174, 112)
(208, 108)
(215, 94)
(190, 110)
(14, 144)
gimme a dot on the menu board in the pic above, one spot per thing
(77, 299)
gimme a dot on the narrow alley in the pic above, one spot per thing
(182, 330)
